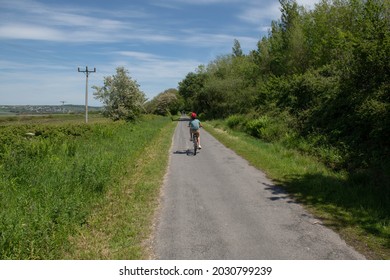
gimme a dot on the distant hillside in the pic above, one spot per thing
(45, 109)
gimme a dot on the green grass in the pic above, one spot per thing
(350, 204)
(51, 183)
(121, 225)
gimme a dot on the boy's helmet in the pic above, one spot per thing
(193, 115)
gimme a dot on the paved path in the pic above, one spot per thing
(216, 206)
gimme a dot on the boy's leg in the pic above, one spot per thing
(199, 140)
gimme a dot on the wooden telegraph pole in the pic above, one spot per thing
(86, 71)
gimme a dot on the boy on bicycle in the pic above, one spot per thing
(195, 126)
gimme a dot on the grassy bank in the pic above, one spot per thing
(55, 176)
(121, 224)
(348, 204)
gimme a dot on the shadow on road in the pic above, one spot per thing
(353, 201)
(188, 152)
(278, 193)
(181, 152)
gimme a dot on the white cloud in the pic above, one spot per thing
(257, 14)
(31, 20)
(221, 40)
(140, 55)
(261, 13)
(154, 73)
(203, 2)
(24, 31)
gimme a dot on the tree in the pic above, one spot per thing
(165, 103)
(121, 96)
(227, 86)
(237, 51)
(192, 86)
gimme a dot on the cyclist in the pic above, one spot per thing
(195, 126)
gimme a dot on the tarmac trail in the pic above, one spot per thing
(216, 206)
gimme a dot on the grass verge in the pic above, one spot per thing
(122, 221)
(346, 204)
(54, 176)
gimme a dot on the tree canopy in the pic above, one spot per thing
(121, 96)
(168, 102)
(326, 68)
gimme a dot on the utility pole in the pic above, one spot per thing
(63, 108)
(86, 89)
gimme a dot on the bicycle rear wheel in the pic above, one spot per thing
(195, 140)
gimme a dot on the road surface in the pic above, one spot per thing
(216, 206)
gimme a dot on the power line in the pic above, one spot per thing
(86, 71)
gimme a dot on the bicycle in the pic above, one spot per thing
(195, 141)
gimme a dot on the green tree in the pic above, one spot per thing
(289, 40)
(192, 86)
(262, 57)
(237, 51)
(276, 50)
(228, 86)
(165, 103)
(121, 96)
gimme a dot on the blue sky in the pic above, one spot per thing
(42, 43)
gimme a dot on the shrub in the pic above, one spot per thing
(236, 121)
(202, 117)
(257, 126)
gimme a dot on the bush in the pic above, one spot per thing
(236, 121)
(202, 117)
(257, 127)
(270, 127)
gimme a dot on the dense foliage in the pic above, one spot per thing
(168, 102)
(320, 80)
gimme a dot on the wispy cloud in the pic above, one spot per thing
(151, 66)
(204, 39)
(201, 2)
(30, 32)
(39, 21)
(142, 56)
(42, 42)
(260, 12)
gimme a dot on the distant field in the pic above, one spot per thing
(10, 110)
(47, 118)
(4, 114)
